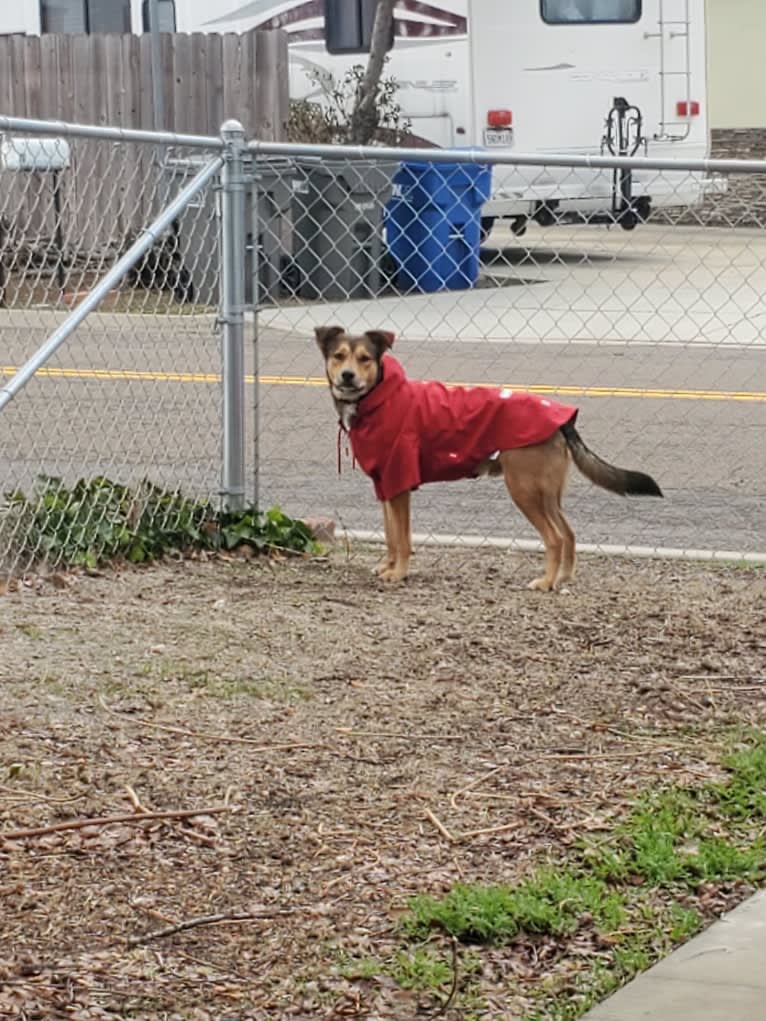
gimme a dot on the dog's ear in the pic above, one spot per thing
(382, 339)
(325, 335)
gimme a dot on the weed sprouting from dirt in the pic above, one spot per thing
(98, 520)
(626, 895)
(551, 902)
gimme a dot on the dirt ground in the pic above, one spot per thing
(331, 735)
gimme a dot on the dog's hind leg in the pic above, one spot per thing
(568, 553)
(396, 517)
(531, 503)
(533, 477)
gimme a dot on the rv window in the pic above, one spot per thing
(166, 13)
(348, 25)
(85, 15)
(589, 12)
(108, 15)
(62, 16)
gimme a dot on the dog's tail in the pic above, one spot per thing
(601, 473)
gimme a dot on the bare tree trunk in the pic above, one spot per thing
(364, 119)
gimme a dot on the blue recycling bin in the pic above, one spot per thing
(433, 224)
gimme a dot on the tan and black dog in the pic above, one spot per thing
(406, 432)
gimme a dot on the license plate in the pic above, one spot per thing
(498, 136)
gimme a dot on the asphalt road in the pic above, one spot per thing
(139, 395)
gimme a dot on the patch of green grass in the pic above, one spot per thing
(653, 832)
(650, 933)
(425, 970)
(225, 688)
(263, 688)
(422, 970)
(683, 923)
(31, 631)
(743, 795)
(717, 859)
(361, 967)
(628, 892)
(671, 837)
(583, 993)
(748, 565)
(551, 901)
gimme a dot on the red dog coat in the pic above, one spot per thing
(406, 432)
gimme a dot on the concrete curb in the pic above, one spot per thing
(717, 976)
(532, 546)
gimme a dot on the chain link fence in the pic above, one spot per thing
(123, 421)
(605, 286)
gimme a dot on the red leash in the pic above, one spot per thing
(343, 432)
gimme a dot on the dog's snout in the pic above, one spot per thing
(347, 376)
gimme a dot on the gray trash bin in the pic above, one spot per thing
(273, 192)
(338, 211)
(198, 229)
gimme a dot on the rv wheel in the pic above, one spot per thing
(487, 223)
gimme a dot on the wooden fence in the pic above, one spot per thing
(107, 79)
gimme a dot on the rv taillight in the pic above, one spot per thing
(499, 118)
(690, 109)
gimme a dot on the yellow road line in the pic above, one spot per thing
(132, 375)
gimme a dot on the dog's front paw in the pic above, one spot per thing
(542, 585)
(383, 565)
(391, 574)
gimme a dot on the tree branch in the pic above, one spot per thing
(192, 923)
(364, 118)
(109, 820)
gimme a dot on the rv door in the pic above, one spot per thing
(679, 38)
(556, 66)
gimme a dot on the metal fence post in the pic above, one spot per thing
(232, 314)
(255, 290)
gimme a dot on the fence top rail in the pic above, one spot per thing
(103, 131)
(475, 155)
(384, 154)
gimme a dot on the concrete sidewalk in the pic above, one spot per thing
(718, 976)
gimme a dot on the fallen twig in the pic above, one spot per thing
(255, 746)
(689, 697)
(456, 838)
(712, 677)
(475, 783)
(108, 820)
(192, 923)
(728, 689)
(441, 828)
(20, 794)
(594, 724)
(557, 757)
(469, 834)
(522, 797)
(135, 800)
(446, 1005)
(201, 838)
(350, 732)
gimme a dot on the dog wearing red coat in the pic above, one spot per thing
(405, 433)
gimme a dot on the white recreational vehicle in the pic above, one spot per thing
(528, 76)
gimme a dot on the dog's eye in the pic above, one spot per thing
(337, 357)
(364, 359)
